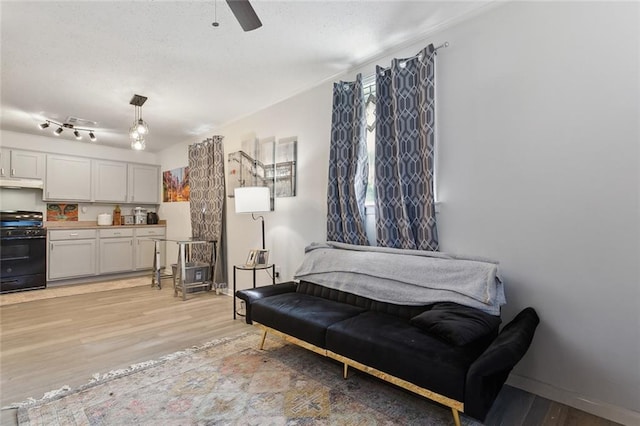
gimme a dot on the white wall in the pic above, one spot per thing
(539, 167)
(9, 139)
(296, 221)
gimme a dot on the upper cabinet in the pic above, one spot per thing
(109, 181)
(67, 178)
(144, 184)
(71, 178)
(21, 164)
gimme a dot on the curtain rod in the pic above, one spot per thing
(419, 56)
(445, 45)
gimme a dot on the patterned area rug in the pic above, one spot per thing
(232, 382)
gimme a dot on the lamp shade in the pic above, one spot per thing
(252, 199)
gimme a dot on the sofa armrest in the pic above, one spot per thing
(250, 295)
(489, 372)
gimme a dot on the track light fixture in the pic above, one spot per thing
(62, 126)
(140, 128)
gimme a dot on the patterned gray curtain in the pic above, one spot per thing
(348, 165)
(405, 140)
(207, 203)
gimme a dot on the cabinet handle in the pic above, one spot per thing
(73, 234)
(13, 172)
(2, 171)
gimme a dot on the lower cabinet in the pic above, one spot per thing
(72, 254)
(116, 250)
(145, 247)
(89, 252)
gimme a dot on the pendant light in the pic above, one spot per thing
(140, 128)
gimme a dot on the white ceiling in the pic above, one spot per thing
(87, 59)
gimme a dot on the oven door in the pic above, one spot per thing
(23, 263)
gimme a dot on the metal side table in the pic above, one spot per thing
(181, 277)
(253, 269)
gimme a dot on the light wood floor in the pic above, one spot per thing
(45, 344)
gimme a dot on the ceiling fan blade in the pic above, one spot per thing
(245, 14)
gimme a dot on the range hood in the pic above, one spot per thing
(20, 183)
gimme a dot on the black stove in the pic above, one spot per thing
(17, 223)
(23, 244)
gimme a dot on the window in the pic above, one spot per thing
(369, 84)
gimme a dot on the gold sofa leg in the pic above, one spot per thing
(456, 417)
(264, 336)
(345, 372)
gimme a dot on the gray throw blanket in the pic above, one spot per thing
(404, 277)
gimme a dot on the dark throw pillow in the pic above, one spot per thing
(456, 324)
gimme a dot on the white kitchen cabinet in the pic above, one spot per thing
(145, 247)
(115, 250)
(109, 181)
(15, 163)
(5, 162)
(71, 254)
(144, 184)
(67, 178)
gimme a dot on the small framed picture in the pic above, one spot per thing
(262, 257)
(251, 259)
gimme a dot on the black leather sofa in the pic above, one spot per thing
(449, 353)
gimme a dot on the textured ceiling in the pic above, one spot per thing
(87, 59)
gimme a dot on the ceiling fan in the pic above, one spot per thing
(244, 13)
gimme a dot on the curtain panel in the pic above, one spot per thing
(404, 158)
(207, 204)
(348, 165)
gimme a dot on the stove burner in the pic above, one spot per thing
(20, 219)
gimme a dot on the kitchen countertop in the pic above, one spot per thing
(92, 224)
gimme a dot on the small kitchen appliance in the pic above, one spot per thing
(140, 215)
(104, 219)
(152, 218)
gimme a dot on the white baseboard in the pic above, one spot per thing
(601, 409)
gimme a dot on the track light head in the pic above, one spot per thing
(77, 131)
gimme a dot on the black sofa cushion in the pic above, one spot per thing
(250, 295)
(401, 311)
(301, 315)
(457, 324)
(393, 345)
